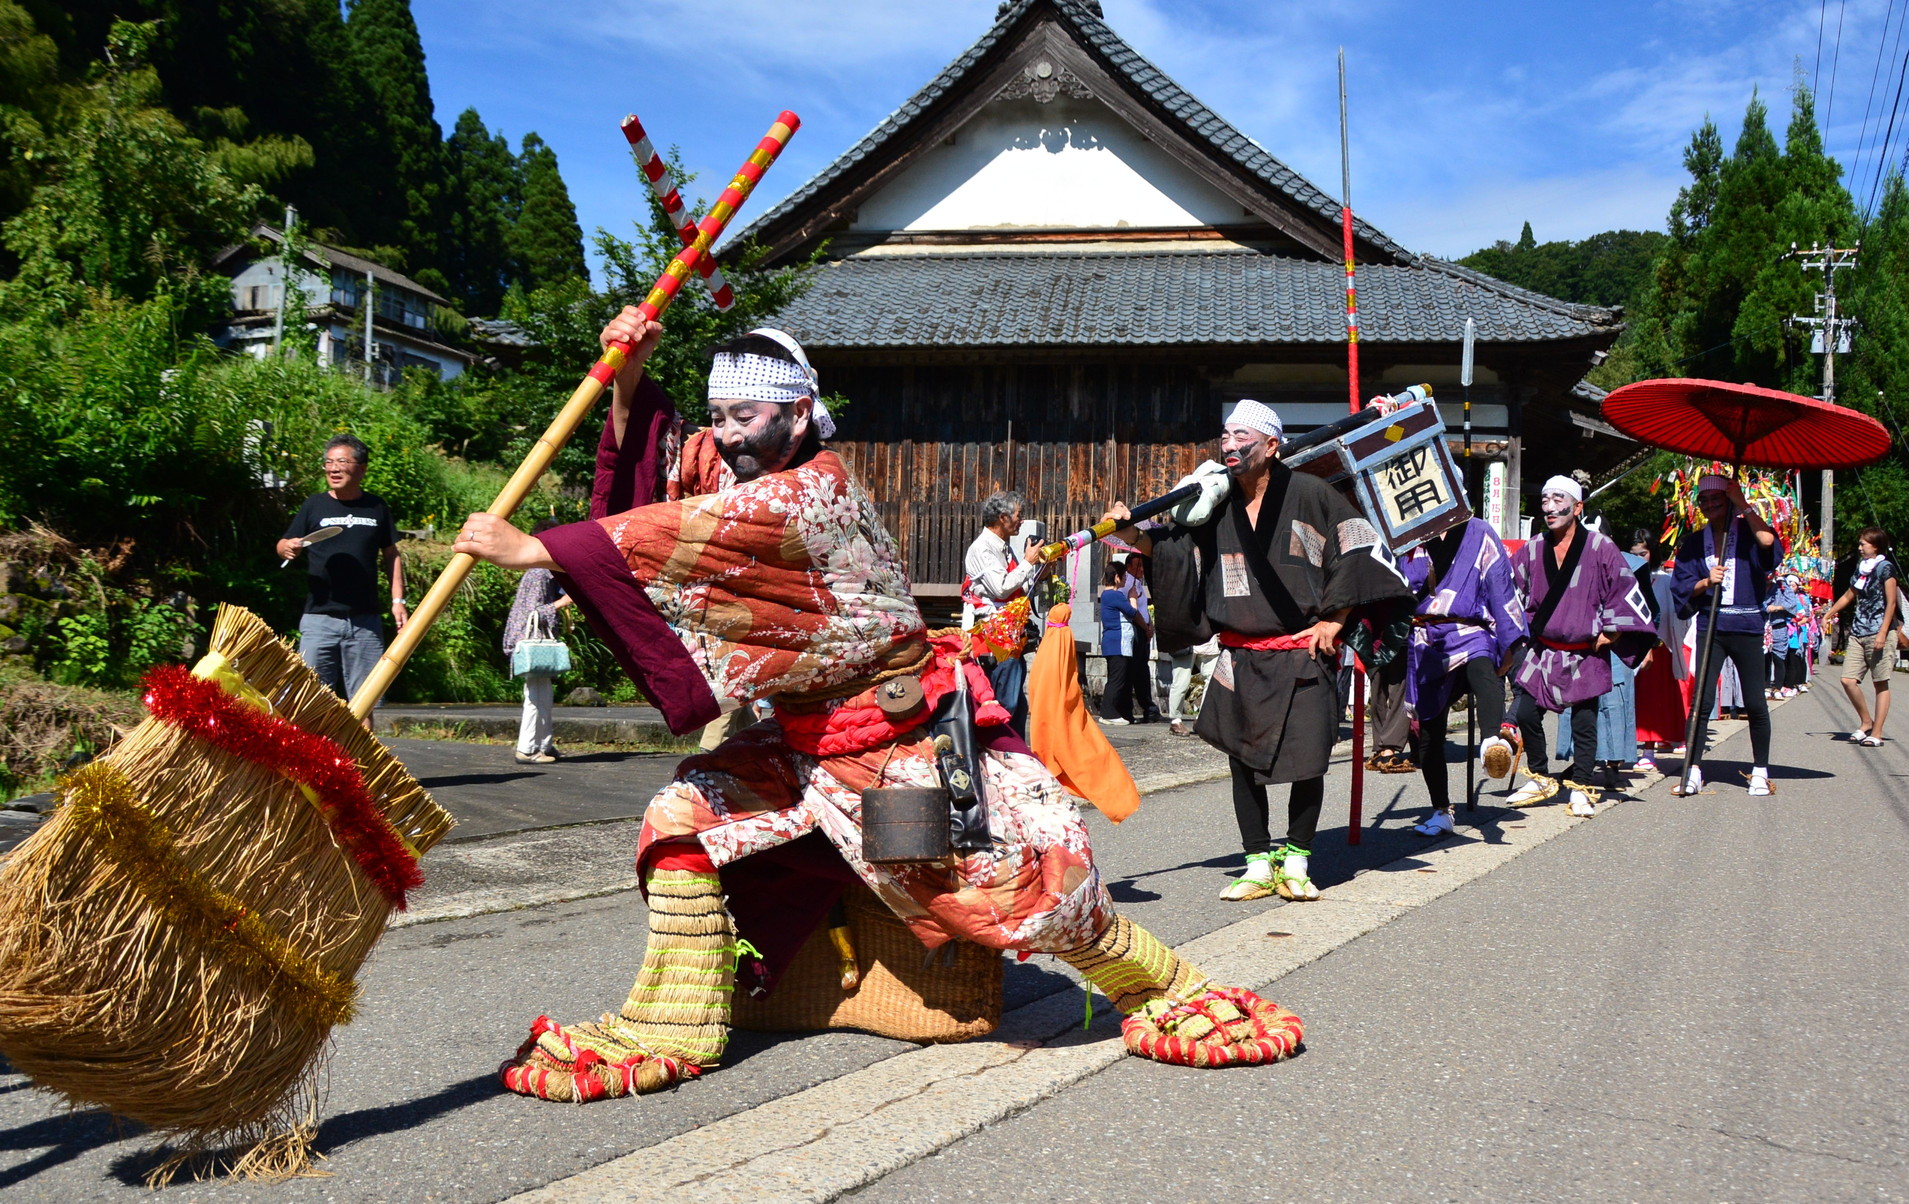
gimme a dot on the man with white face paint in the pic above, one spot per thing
(1273, 562)
(1584, 607)
(766, 573)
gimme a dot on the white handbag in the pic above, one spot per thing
(539, 651)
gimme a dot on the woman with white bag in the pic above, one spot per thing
(536, 655)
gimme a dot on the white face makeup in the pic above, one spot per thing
(757, 437)
(1245, 451)
(1558, 510)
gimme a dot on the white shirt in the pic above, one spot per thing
(994, 584)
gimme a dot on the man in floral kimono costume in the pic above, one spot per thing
(1583, 606)
(1466, 630)
(767, 573)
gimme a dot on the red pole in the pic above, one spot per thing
(1356, 819)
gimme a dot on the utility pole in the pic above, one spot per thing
(371, 348)
(284, 278)
(1829, 336)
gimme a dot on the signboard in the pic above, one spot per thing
(1400, 472)
(1496, 475)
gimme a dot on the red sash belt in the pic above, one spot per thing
(1560, 646)
(1263, 643)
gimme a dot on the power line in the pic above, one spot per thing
(1882, 155)
(1816, 72)
(1836, 56)
(1862, 135)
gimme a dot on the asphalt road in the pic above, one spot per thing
(1635, 991)
(1677, 1001)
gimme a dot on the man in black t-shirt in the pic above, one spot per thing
(341, 635)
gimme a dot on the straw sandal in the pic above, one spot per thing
(1537, 789)
(1255, 883)
(1584, 799)
(1760, 786)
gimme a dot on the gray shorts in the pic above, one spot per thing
(341, 651)
(1861, 660)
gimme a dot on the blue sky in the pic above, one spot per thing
(1467, 119)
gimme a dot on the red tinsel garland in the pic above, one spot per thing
(203, 710)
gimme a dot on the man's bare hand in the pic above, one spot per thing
(1604, 640)
(1117, 513)
(289, 548)
(629, 327)
(1322, 638)
(491, 538)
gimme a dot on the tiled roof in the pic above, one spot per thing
(1087, 298)
(1200, 122)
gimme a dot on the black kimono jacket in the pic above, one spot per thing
(1311, 553)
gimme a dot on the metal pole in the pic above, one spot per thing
(1471, 698)
(1356, 818)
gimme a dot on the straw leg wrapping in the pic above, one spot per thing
(1132, 968)
(675, 1021)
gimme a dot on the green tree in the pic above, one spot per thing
(126, 202)
(486, 199)
(546, 241)
(1605, 269)
(404, 156)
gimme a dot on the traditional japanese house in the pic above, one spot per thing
(1052, 268)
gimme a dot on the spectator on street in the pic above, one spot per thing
(1875, 603)
(1121, 628)
(993, 578)
(341, 635)
(539, 598)
(1142, 681)
(1199, 658)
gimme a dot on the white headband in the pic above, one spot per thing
(1711, 480)
(1257, 416)
(765, 378)
(1565, 486)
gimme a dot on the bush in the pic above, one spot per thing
(44, 727)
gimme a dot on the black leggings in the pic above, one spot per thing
(1307, 799)
(1583, 721)
(1745, 651)
(1114, 699)
(1488, 689)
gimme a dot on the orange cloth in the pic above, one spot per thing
(1064, 736)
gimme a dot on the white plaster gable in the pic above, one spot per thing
(1069, 163)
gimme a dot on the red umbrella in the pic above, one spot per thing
(1745, 424)
(1740, 424)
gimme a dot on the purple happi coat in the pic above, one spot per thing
(1469, 612)
(1601, 597)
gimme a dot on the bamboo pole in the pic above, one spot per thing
(571, 416)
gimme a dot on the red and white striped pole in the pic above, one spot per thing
(1355, 821)
(711, 227)
(656, 172)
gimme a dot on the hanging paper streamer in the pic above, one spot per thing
(1775, 496)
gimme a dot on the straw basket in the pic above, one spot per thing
(950, 994)
(178, 940)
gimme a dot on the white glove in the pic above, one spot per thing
(1214, 482)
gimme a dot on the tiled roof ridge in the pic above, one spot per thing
(1160, 88)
